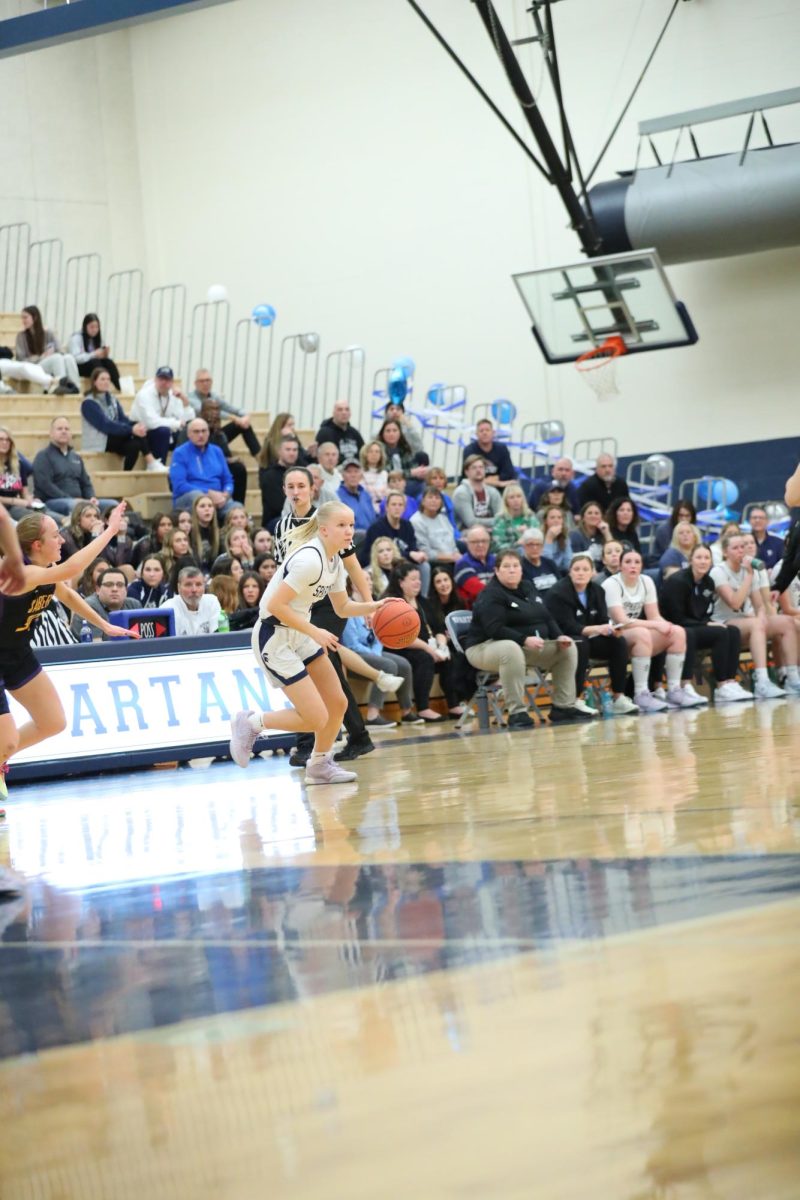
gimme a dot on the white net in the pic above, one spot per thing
(599, 371)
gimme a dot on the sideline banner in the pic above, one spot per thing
(154, 700)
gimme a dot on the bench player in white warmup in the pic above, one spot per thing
(292, 651)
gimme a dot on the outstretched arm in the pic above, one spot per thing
(12, 569)
(79, 561)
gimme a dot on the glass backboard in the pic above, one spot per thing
(577, 306)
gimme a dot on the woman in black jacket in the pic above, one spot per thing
(687, 599)
(578, 604)
(512, 630)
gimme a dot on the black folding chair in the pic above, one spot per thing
(485, 700)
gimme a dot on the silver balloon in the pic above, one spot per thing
(776, 510)
(309, 342)
(552, 429)
(657, 467)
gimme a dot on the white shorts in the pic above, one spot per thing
(283, 653)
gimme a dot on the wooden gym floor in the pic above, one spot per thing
(561, 963)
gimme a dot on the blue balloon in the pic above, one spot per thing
(263, 315)
(398, 387)
(435, 395)
(404, 364)
(503, 411)
(725, 492)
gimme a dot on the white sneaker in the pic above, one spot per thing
(767, 690)
(660, 694)
(325, 770)
(243, 738)
(647, 702)
(727, 693)
(585, 708)
(792, 687)
(679, 698)
(5, 390)
(623, 706)
(157, 467)
(389, 683)
(689, 689)
(741, 693)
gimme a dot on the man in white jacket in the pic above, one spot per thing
(163, 408)
(196, 611)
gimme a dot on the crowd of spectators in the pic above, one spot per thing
(553, 570)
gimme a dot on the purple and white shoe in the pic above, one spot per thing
(678, 697)
(647, 702)
(325, 770)
(243, 738)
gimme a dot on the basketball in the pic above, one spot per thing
(396, 624)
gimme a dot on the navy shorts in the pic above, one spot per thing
(19, 666)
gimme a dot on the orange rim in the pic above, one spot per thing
(599, 356)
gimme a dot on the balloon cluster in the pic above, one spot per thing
(721, 492)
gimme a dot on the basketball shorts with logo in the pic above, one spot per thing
(283, 653)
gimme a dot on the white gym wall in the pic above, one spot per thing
(329, 159)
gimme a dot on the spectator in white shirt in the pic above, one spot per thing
(163, 408)
(196, 612)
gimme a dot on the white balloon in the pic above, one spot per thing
(657, 467)
(776, 510)
(216, 292)
(309, 342)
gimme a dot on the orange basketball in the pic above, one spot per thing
(396, 624)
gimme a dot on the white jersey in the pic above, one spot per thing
(723, 576)
(310, 574)
(632, 599)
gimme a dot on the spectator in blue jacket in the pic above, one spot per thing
(105, 427)
(393, 525)
(352, 492)
(199, 469)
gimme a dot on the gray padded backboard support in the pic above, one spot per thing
(577, 306)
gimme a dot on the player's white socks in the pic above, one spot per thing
(319, 755)
(760, 675)
(254, 721)
(674, 669)
(792, 675)
(641, 670)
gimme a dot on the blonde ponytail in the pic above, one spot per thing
(301, 534)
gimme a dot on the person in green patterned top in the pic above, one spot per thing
(515, 517)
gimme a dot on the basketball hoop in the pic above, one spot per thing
(598, 366)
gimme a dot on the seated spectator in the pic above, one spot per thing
(15, 471)
(87, 584)
(560, 479)
(284, 425)
(85, 523)
(717, 552)
(263, 541)
(591, 532)
(443, 600)
(152, 542)
(388, 672)
(436, 478)
(226, 590)
(227, 565)
(382, 560)
(400, 456)
(204, 536)
(392, 525)
(687, 599)
(237, 517)
(475, 502)
(622, 518)
(511, 631)
(236, 544)
(327, 460)
(90, 352)
(270, 479)
(199, 469)
(515, 517)
(578, 604)
(499, 468)
(682, 511)
(176, 552)
(433, 530)
(150, 588)
(119, 551)
(633, 607)
(375, 478)
(604, 486)
(30, 372)
(769, 547)
(163, 409)
(321, 491)
(556, 539)
(353, 493)
(60, 478)
(476, 567)
(210, 413)
(182, 519)
(338, 430)
(536, 569)
(609, 564)
(195, 611)
(265, 566)
(399, 483)
(739, 602)
(35, 344)
(676, 558)
(396, 411)
(105, 428)
(238, 424)
(111, 596)
(250, 589)
(427, 654)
